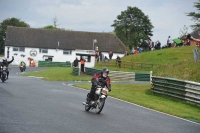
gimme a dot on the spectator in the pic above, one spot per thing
(198, 40)
(133, 50)
(100, 56)
(149, 45)
(152, 46)
(82, 64)
(169, 42)
(75, 63)
(158, 44)
(139, 50)
(105, 59)
(126, 53)
(118, 61)
(97, 56)
(136, 52)
(110, 54)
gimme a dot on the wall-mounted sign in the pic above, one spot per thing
(33, 52)
(22, 55)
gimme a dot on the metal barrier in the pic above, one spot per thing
(53, 64)
(117, 75)
(75, 71)
(185, 90)
(142, 77)
(91, 71)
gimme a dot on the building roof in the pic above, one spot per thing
(195, 33)
(68, 40)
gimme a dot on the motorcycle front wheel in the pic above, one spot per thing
(3, 77)
(87, 108)
(100, 105)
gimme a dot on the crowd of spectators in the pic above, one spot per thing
(149, 46)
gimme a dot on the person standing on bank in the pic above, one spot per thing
(195, 39)
(169, 42)
(110, 54)
(75, 64)
(82, 64)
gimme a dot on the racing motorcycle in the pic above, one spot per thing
(22, 68)
(99, 100)
(3, 73)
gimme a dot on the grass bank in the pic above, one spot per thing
(171, 62)
(142, 95)
(58, 74)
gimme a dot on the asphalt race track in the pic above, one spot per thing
(31, 105)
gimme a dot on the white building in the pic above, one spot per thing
(58, 45)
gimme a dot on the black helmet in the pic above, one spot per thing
(104, 70)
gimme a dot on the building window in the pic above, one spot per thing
(41, 50)
(15, 48)
(87, 58)
(21, 49)
(67, 52)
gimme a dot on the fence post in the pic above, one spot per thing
(151, 73)
(79, 66)
(132, 65)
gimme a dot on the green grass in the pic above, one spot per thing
(172, 62)
(142, 95)
(58, 74)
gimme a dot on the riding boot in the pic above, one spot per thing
(92, 92)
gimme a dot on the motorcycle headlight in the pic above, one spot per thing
(104, 91)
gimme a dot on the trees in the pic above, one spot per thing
(3, 26)
(195, 16)
(50, 27)
(183, 32)
(132, 25)
(55, 25)
(55, 22)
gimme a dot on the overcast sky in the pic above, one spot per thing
(167, 16)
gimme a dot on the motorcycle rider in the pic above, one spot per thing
(22, 66)
(6, 64)
(102, 79)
